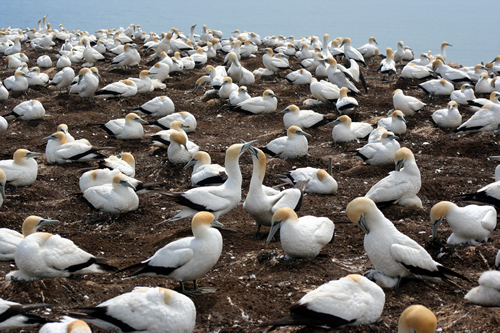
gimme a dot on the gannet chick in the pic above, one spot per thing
(488, 291)
(449, 117)
(464, 95)
(293, 145)
(123, 88)
(351, 300)
(28, 110)
(62, 151)
(216, 199)
(187, 119)
(487, 119)
(16, 83)
(126, 128)
(66, 325)
(346, 104)
(400, 187)
(407, 104)
(13, 315)
(394, 255)
(189, 258)
(143, 309)
(293, 116)
(239, 96)
(267, 103)
(42, 255)
(204, 173)
(470, 225)
(437, 87)
(318, 180)
(301, 76)
(261, 201)
(301, 238)
(417, 319)
(115, 198)
(346, 130)
(22, 170)
(379, 153)
(157, 107)
(395, 123)
(125, 162)
(179, 151)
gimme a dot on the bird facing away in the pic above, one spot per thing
(488, 291)
(417, 319)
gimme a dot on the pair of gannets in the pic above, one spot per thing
(274, 64)
(345, 130)
(126, 128)
(87, 84)
(407, 104)
(28, 110)
(157, 107)
(449, 117)
(204, 172)
(379, 153)
(22, 170)
(130, 57)
(267, 103)
(13, 315)
(340, 76)
(125, 162)
(189, 258)
(42, 255)
(238, 96)
(60, 151)
(293, 116)
(293, 145)
(394, 255)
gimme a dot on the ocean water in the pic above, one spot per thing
(422, 25)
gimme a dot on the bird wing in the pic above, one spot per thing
(389, 188)
(173, 255)
(413, 257)
(210, 198)
(61, 253)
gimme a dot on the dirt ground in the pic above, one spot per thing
(254, 282)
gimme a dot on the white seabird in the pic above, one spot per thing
(189, 258)
(162, 138)
(125, 162)
(63, 61)
(272, 63)
(417, 319)
(407, 104)
(470, 225)
(179, 151)
(477, 103)
(293, 116)
(450, 74)
(44, 61)
(4, 93)
(487, 119)
(318, 180)
(352, 53)
(339, 75)
(160, 71)
(379, 153)
(42, 255)
(393, 254)
(488, 291)
(267, 103)
(345, 130)
(464, 95)
(346, 104)
(227, 88)
(143, 309)
(293, 145)
(66, 325)
(119, 89)
(388, 65)
(324, 91)
(22, 170)
(437, 87)
(28, 110)
(35, 78)
(370, 49)
(126, 128)
(187, 119)
(449, 117)
(236, 97)
(484, 85)
(351, 300)
(63, 151)
(16, 83)
(88, 82)
(205, 173)
(157, 107)
(414, 71)
(63, 79)
(301, 237)
(130, 57)
(13, 315)
(144, 84)
(298, 77)
(395, 123)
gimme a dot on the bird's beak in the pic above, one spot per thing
(126, 183)
(435, 226)
(217, 224)
(285, 111)
(51, 137)
(335, 122)
(399, 165)
(191, 162)
(303, 133)
(33, 154)
(46, 221)
(253, 151)
(362, 224)
(247, 145)
(2, 191)
(142, 121)
(276, 225)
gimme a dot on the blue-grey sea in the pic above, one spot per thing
(470, 26)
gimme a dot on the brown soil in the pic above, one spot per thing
(254, 283)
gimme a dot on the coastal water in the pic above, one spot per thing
(470, 26)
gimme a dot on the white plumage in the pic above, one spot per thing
(126, 128)
(239, 96)
(450, 74)
(414, 71)
(488, 291)
(395, 123)
(123, 88)
(187, 119)
(346, 104)
(267, 103)
(324, 91)
(407, 104)
(293, 145)
(180, 150)
(62, 151)
(9, 240)
(22, 170)
(125, 162)
(205, 173)
(28, 110)
(318, 180)
(13, 315)
(449, 117)
(116, 198)
(345, 130)
(300, 76)
(144, 84)
(339, 75)
(380, 153)
(464, 95)
(157, 107)
(66, 325)
(293, 116)
(487, 119)
(35, 78)
(63, 79)
(437, 87)
(129, 57)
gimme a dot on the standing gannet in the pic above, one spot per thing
(417, 319)
(464, 95)
(400, 52)
(236, 97)
(126, 128)
(28, 110)
(393, 254)
(388, 65)
(42, 255)
(370, 49)
(293, 116)
(187, 119)
(407, 104)
(437, 87)
(487, 119)
(63, 79)
(125, 162)
(272, 63)
(261, 201)
(401, 186)
(443, 50)
(450, 74)
(298, 77)
(63, 151)
(379, 153)
(143, 309)
(318, 180)
(117, 197)
(449, 117)
(90, 55)
(22, 170)
(351, 300)
(324, 91)
(205, 173)
(13, 315)
(346, 104)
(488, 291)
(345, 130)
(301, 237)
(66, 325)
(267, 103)
(179, 150)
(16, 83)
(470, 225)
(293, 145)
(130, 57)
(215, 199)
(395, 123)
(340, 76)
(157, 107)
(119, 89)
(189, 258)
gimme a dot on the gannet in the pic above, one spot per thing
(318, 180)
(312, 63)
(130, 57)
(160, 72)
(351, 300)
(437, 87)
(488, 291)
(157, 107)
(4, 93)
(42, 255)
(189, 258)
(63, 79)
(450, 74)
(13, 315)
(144, 84)
(239, 96)
(478, 103)
(484, 85)
(66, 325)
(216, 199)
(90, 55)
(443, 50)
(205, 173)
(470, 225)
(345, 130)
(35, 78)
(414, 71)
(215, 77)
(379, 153)
(119, 89)
(293, 116)
(301, 237)
(227, 88)
(370, 49)
(63, 61)
(407, 104)
(125, 162)
(126, 128)
(44, 61)
(395, 123)
(487, 119)
(340, 76)
(162, 138)
(16, 83)
(187, 119)
(449, 117)
(12, 62)
(352, 53)
(399, 54)
(63, 151)
(22, 170)
(261, 201)
(293, 145)
(300, 76)
(346, 104)
(274, 64)
(116, 198)
(28, 110)
(464, 95)
(388, 65)
(417, 319)
(267, 103)
(324, 91)
(88, 82)
(14, 48)
(179, 152)
(393, 254)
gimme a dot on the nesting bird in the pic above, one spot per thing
(126, 128)
(293, 116)
(267, 103)
(119, 89)
(157, 107)
(395, 123)
(205, 173)
(62, 151)
(407, 104)
(346, 104)
(449, 117)
(379, 153)
(28, 110)
(22, 170)
(293, 145)
(318, 180)
(488, 291)
(13, 315)
(345, 130)
(417, 319)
